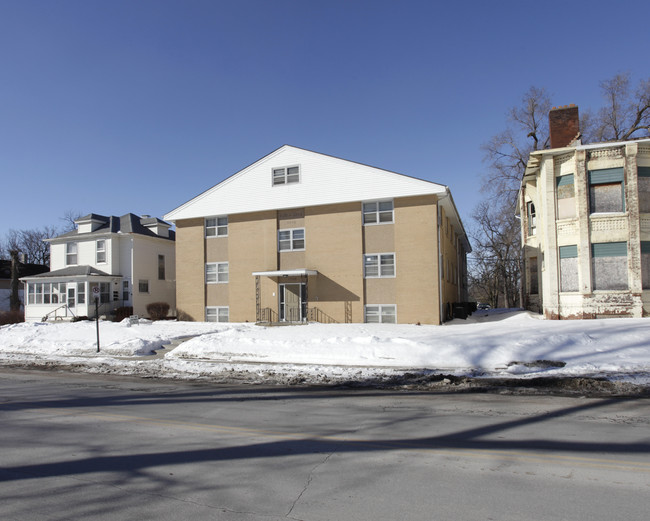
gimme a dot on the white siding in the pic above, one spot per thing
(323, 180)
(145, 267)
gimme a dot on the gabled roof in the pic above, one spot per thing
(323, 180)
(128, 223)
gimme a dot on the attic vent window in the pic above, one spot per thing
(286, 175)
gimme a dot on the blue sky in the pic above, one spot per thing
(137, 106)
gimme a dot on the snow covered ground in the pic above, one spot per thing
(499, 343)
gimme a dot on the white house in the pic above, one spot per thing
(126, 261)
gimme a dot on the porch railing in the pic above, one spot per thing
(56, 315)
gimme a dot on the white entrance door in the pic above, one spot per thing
(72, 287)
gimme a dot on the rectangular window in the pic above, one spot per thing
(143, 286)
(569, 268)
(161, 267)
(644, 189)
(81, 292)
(531, 218)
(645, 264)
(291, 240)
(606, 191)
(71, 254)
(566, 197)
(378, 212)
(381, 314)
(379, 265)
(216, 273)
(216, 226)
(100, 248)
(217, 314)
(286, 175)
(609, 266)
(105, 292)
(125, 290)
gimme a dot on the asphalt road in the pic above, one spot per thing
(83, 447)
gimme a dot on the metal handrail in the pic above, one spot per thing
(44, 319)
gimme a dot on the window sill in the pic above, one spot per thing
(607, 214)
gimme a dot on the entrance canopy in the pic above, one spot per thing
(301, 272)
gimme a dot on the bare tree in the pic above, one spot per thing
(32, 243)
(495, 263)
(626, 113)
(495, 260)
(507, 153)
(69, 218)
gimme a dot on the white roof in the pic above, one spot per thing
(323, 180)
(301, 272)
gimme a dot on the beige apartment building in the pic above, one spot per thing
(301, 236)
(585, 214)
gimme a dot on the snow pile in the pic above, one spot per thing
(494, 343)
(80, 338)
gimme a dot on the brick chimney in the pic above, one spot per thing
(564, 125)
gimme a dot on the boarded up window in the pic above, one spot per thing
(606, 192)
(609, 266)
(644, 189)
(534, 282)
(566, 197)
(569, 268)
(645, 264)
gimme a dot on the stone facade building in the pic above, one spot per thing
(585, 225)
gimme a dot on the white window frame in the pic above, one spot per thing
(531, 218)
(100, 252)
(381, 312)
(70, 255)
(373, 208)
(216, 226)
(381, 273)
(285, 175)
(217, 314)
(216, 273)
(292, 240)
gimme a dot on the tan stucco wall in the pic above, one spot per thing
(334, 248)
(336, 241)
(416, 253)
(252, 246)
(190, 269)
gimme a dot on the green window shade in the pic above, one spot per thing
(565, 180)
(565, 187)
(568, 252)
(645, 246)
(607, 175)
(609, 249)
(644, 171)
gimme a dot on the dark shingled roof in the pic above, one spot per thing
(129, 223)
(74, 271)
(24, 270)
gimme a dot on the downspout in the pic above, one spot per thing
(440, 264)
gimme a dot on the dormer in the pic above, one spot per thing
(155, 225)
(89, 223)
